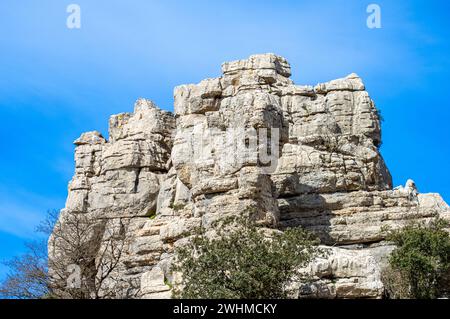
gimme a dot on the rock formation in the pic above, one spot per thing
(249, 140)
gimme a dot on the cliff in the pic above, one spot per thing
(249, 140)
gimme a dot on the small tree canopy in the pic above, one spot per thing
(421, 261)
(242, 261)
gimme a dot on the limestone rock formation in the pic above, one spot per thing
(250, 140)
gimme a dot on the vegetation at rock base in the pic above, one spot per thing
(420, 265)
(242, 260)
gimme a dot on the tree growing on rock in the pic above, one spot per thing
(85, 257)
(238, 260)
(419, 267)
(83, 265)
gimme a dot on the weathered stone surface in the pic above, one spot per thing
(154, 286)
(346, 273)
(119, 181)
(161, 175)
(358, 217)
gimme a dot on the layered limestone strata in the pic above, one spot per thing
(161, 175)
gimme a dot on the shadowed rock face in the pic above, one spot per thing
(325, 173)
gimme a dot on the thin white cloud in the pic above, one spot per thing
(22, 211)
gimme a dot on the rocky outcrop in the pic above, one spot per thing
(250, 140)
(117, 182)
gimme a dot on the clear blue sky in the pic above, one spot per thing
(56, 83)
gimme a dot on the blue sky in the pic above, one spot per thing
(56, 82)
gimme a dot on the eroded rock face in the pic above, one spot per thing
(254, 141)
(117, 182)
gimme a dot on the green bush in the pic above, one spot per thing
(419, 265)
(243, 261)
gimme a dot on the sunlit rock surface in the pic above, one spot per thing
(161, 175)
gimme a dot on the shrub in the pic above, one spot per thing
(421, 261)
(242, 261)
(27, 276)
